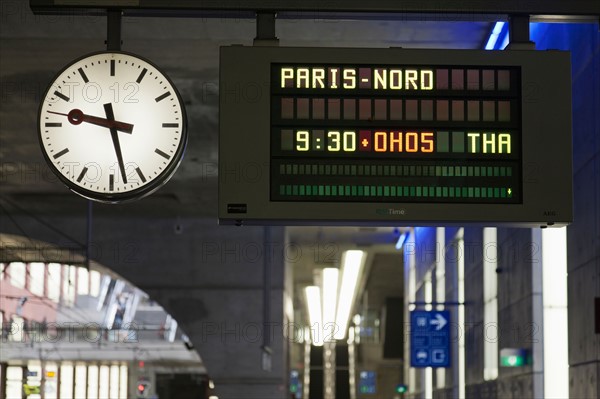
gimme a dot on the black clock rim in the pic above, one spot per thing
(146, 189)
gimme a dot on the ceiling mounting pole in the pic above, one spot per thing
(88, 243)
(518, 30)
(265, 29)
(113, 29)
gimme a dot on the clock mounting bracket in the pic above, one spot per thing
(113, 29)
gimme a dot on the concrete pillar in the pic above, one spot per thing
(515, 308)
(3, 367)
(474, 310)
(537, 314)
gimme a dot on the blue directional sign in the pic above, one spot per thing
(430, 338)
(367, 382)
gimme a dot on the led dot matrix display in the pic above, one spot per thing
(395, 133)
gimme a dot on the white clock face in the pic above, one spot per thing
(113, 127)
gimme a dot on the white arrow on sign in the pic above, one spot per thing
(439, 321)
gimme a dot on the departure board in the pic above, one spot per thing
(394, 136)
(411, 133)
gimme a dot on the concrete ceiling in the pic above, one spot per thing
(34, 48)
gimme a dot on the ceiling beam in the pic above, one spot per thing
(581, 9)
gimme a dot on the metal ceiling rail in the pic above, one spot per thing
(551, 10)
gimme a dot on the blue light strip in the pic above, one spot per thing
(504, 43)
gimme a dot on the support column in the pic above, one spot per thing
(537, 315)
(3, 369)
(329, 369)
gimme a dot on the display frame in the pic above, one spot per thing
(245, 152)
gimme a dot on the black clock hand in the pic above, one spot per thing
(115, 139)
(76, 116)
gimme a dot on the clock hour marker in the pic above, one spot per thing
(163, 96)
(162, 154)
(61, 96)
(170, 125)
(112, 67)
(111, 182)
(60, 153)
(83, 75)
(53, 124)
(139, 79)
(140, 174)
(83, 172)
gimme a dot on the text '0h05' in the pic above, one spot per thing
(441, 136)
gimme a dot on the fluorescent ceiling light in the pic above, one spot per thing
(330, 288)
(491, 43)
(352, 263)
(313, 299)
(402, 240)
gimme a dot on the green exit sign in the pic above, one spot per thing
(513, 357)
(401, 388)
